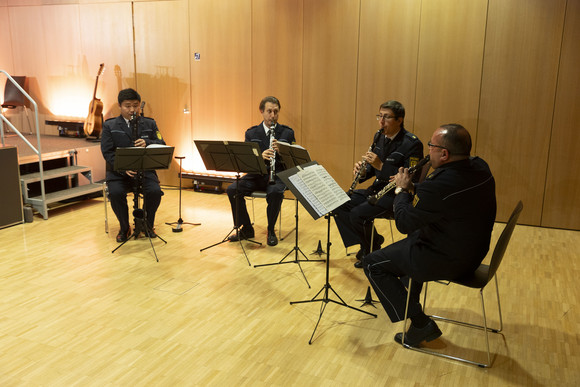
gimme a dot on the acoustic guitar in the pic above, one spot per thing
(94, 121)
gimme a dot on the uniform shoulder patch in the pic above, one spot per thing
(159, 135)
(413, 161)
(411, 135)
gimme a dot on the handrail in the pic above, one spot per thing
(38, 151)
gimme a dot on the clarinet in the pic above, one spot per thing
(373, 199)
(133, 123)
(363, 166)
(272, 178)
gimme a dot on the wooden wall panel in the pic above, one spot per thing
(387, 63)
(561, 204)
(336, 61)
(68, 91)
(450, 63)
(6, 60)
(163, 74)
(30, 52)
(518, 87)
(277, 58)
(222, 104)
(106, 37)
(331, 30)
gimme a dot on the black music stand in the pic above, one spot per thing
(293, 156)
(180, 221)
(142, 159)
(320, 196)
(232, 156)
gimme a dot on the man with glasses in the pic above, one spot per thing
(269, 109)
(448, 217)
(393, 147)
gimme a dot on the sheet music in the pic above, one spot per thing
(319, 189)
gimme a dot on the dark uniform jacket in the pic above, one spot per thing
(117, 134)
(282, 133)
(450, 219)
(405, 150)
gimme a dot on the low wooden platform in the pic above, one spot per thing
(50, 146)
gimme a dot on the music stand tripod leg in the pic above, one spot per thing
(326, 299)
(236, 226)
(140, 217)
(180, 221)
(294, 250)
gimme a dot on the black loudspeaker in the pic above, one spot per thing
(14, 97)
(10, 195)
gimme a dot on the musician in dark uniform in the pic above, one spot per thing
(269, 108)
(393, 147)
(448, 218)
(118, 132)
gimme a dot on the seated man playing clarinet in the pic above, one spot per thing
(393, 147)
(266, 134)
(448, 218)
(127, 130)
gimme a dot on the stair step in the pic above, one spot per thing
(54, 173)
(69, 193)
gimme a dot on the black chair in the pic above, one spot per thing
(478, 280)
(14, 97)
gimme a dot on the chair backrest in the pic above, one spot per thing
(14, 97)
(502, 242)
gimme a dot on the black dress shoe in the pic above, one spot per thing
(415, 336)
(122, 236)
(272, 240)
(243, 233)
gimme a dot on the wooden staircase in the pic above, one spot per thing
(62, 183)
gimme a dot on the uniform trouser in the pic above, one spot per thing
(118, 195)
(244, 187)
(387, 270)
(354, 219)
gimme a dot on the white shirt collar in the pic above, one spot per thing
(267, 129)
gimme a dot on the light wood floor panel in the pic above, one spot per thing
(73, 313)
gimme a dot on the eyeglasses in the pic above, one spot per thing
(436, 146)
(380, 117)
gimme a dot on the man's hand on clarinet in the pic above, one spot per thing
(268, 154)
(374, 160)
(403, 179)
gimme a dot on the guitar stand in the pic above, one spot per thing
(180, 221)
(235, 228)
(325, 298)
(295, 249)
(140, 220)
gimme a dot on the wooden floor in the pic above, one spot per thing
(73, 313)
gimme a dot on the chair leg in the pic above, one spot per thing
(253, 212)
(105, 198)
(498, 307)
(372, 234)
(484, 328)
(280, 221)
